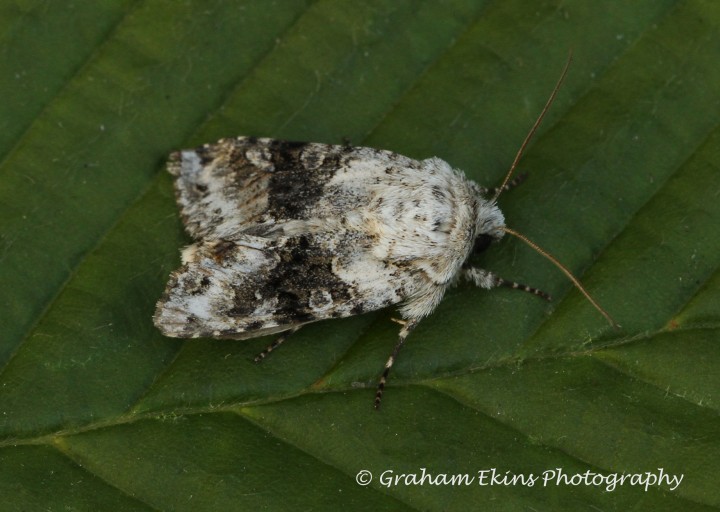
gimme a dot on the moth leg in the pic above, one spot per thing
(275, 344)
(407, 327)
(485, 279)
(508, 186)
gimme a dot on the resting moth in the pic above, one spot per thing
(289, 233)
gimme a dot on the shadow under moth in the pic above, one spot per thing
(289, 233)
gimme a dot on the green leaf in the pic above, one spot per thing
(98, 411)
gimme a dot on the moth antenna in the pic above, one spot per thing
(565, 271)
(534, 128)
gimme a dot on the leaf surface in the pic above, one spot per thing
(98, 411)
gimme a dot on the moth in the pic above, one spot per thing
(289, 233)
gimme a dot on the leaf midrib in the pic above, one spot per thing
(428, 383)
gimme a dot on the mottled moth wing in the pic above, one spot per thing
(252, 286)
(290, 233)
(252, 185)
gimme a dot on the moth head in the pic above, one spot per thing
(489, 226)
(482, 242)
